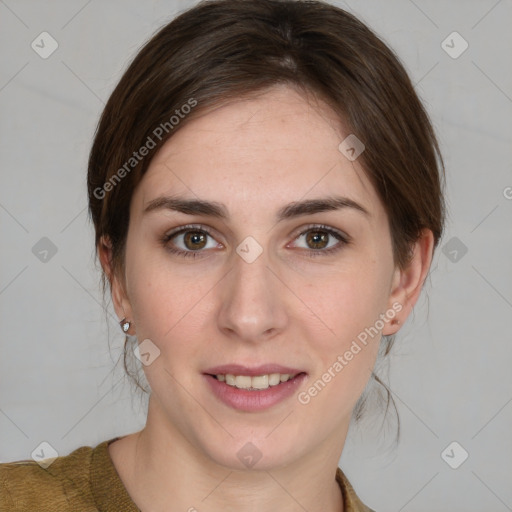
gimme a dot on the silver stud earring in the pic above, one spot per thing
(125, 325)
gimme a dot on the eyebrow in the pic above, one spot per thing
(218, 210)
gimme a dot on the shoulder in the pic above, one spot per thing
(351, 502)
(63, 485)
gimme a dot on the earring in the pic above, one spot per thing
(395, 321)
(125, 325)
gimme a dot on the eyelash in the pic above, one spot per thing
(312, 252)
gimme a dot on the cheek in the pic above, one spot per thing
(151, 293)
(167, 301)
(346, 350)
(160, 305)
(349, 305)
(348, 302)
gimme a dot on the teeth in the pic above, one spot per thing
(256, 382)
(274, 379)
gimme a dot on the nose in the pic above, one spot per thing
(252, 301)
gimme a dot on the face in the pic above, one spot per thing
(258, 279)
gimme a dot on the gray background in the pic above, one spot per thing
(450, 372)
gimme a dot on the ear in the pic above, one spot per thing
(408, 283)
(120, 299)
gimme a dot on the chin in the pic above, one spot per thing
(252, 452)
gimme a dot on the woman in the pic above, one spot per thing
(266, 192)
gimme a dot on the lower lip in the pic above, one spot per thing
(257, 400)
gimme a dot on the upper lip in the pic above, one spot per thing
(264, 369)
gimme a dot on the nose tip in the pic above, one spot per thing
(250, 305)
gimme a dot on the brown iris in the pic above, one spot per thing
(317, 237)
(195, 237)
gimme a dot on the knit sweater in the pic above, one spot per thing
(86, 480)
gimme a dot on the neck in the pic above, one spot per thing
(159, 467)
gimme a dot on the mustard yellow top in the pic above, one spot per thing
(86, 480)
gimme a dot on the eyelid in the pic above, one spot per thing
(190, 227)
(323, 227)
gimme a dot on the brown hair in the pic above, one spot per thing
(222, 50)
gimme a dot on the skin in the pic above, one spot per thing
(286, 307)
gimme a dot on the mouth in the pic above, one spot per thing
(256, 382)
(254, 389)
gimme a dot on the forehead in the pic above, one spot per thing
(271, 149)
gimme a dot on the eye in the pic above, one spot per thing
(190, 241)
(320, 239)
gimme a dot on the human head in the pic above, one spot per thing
(223, 51)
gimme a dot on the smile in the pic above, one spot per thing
(257, 382)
